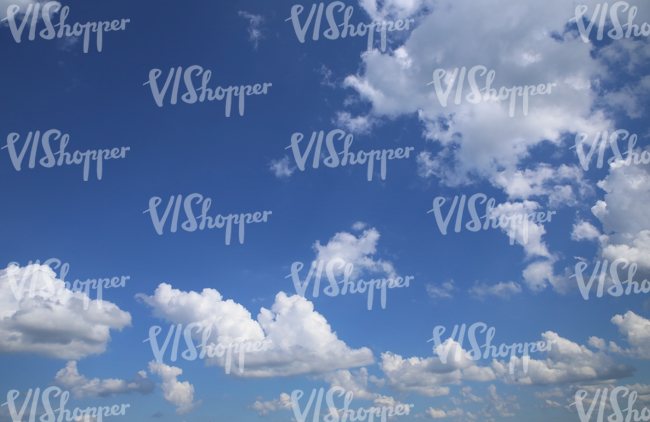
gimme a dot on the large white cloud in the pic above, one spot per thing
(302, 342)
(69, 378)
(516, 42)
(49, 319)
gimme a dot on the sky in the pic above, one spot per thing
(169, 155)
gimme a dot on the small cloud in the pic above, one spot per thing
(281, 168)
(327, 74)
(503, 290)
(358, 125)
(254, 32)
(443, 291)
(359, 225)
(584, 230)
(157, 415)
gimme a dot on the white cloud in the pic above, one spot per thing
(502, 290)
(482, 140)
(441, 292)
(503, 407)
(178, 393)
(553, 392)
(636, 329)
(23, 4)
(356, 381)
(81, 386)
(395, 9)
(282, 168)
(302, 342)
(355, 250)
(254, 31)
(584, 230)
(526, 233)
(53, 322)
(428, 376)
(358, 125)
(623, 212)
(439, 414)
(539, 274)
(359, 225)
(566, 362)
(542, 181)
(263, 408)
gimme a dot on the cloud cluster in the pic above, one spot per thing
(264, 407)
(69, 378)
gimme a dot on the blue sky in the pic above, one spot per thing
(380, 97)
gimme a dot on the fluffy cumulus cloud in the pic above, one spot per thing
(355, 250)
(301, 340)
(355, 381)
(636, 331)
(180, 394)
(38, 314)
(264, 407)
(69, 378)
(540, 274)
(567, 362)
(429, 376)
(584, 230)
(482, 139)
(623, 213)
